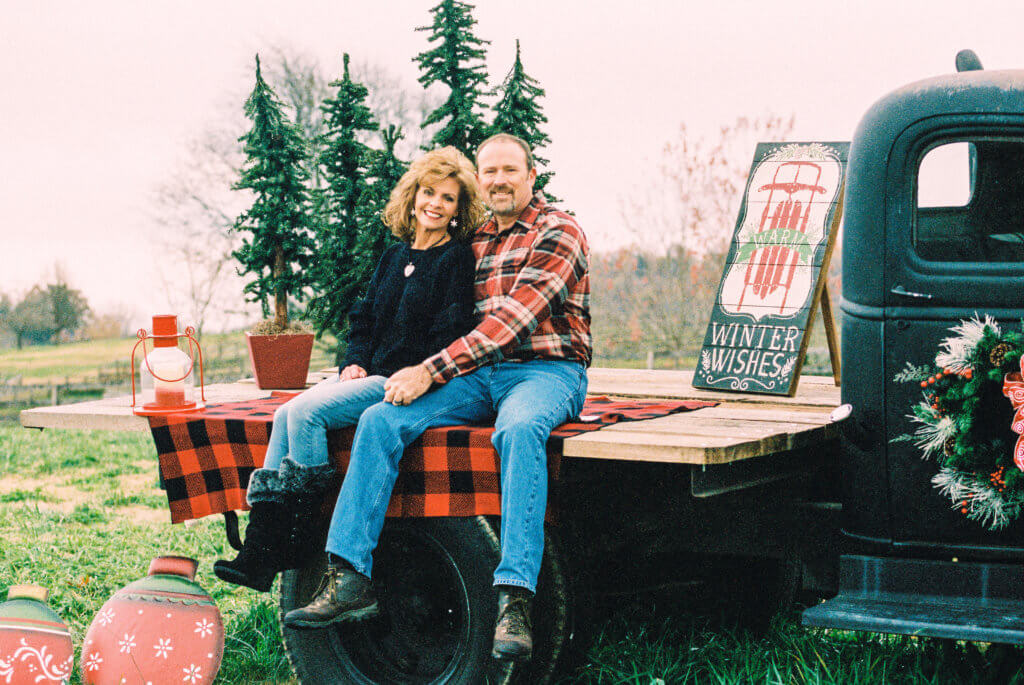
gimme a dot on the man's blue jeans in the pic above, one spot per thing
(528, 400)
(301, 424)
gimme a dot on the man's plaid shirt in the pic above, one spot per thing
(532, 294)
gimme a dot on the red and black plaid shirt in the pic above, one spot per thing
(532, 294)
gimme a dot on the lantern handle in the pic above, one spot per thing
(190, 333)
(141, 334)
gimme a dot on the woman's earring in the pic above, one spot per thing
(453, 223)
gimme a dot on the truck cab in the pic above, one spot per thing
(933, 236)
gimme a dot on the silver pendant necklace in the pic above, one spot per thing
(410, 267)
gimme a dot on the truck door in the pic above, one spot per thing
(954, 249)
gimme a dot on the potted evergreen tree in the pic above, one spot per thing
(277, 243)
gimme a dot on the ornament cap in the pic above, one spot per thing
(174, 566)
(28, 591)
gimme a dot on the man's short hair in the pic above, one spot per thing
(508, 138)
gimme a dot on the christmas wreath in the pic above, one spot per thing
(972, 405)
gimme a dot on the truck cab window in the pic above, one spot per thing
(970, 202)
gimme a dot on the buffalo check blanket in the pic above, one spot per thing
(206, 456)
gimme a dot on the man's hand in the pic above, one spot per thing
(352, 371)
(405, 385)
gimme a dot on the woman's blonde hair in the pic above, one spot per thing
(430, 169)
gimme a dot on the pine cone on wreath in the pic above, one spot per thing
(998, 355)
(949, 446)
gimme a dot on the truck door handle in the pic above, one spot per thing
(903, 292)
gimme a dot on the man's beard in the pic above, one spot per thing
(509, 203)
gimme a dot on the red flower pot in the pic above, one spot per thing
(161, 629)
(280, 362)
(35, 645)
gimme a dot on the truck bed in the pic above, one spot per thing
(742, 426)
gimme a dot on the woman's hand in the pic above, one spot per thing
(352, 371)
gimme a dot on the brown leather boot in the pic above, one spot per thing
(345, 595)
(512, 637)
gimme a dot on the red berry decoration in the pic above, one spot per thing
(163, 628)
(35, 645)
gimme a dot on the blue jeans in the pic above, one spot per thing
(301, 423)
(525, 399)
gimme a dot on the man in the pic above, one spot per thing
(524, 366)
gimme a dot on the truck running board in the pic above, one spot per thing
(965, 601)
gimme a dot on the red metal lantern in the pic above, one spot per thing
(165, 377)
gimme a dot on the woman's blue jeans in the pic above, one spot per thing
(301, 424)
(525, 399)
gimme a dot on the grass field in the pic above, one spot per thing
(81, 514)
(82, 361)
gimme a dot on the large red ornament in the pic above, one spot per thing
(35, 645)
(1013, 387)
(163, 628)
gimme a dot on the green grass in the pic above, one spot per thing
(634, 647)
(82, 361)
(18, 495)
(81, 515)
(82, 536)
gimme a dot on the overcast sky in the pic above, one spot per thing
(101, 97)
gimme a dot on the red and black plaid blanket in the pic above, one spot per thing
(206, 456)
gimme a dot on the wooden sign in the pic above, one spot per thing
(775, 271)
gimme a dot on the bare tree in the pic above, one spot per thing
(657, 295)
(693, 198)
(303, 83)
(394, 103)
(192, 212)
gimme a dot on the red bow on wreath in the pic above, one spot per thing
(1013, 387)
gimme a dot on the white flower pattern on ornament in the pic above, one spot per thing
(192, 673)
(163, 646)
(93, 661)
(126, 644)
(204, 628)
(105, 617)
(43, 662)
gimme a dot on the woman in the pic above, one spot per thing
(419, 300)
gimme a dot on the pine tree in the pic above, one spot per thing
(457, 62)
(383, 174)
(383, 171)
(343, 160)
(518, 112)
(277, 252)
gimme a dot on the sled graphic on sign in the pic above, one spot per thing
(786, 208)
(773, 276)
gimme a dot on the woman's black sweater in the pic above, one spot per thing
(402, 320)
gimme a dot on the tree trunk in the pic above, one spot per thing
(280, 294)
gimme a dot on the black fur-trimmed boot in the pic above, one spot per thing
(281, 524)
(307, 532)
(262, 552)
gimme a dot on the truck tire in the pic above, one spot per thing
(433, 578)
